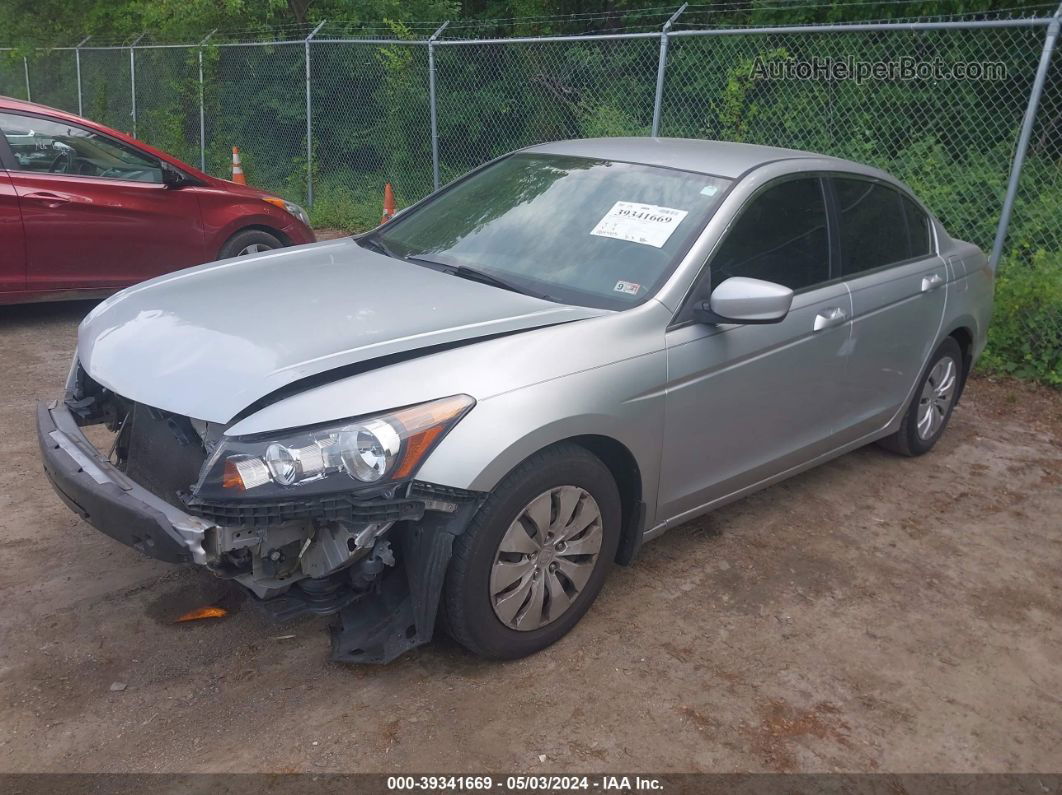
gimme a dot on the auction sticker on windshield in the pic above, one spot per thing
(640, 223)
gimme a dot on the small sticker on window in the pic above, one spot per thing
(630, 288)
(709, 190)
(647, 224)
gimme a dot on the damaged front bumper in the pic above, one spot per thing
(102, 495)
(386, 589)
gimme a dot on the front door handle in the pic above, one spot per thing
(49, 199)
(827, 318)
(932, 282)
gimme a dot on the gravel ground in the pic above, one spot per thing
(876, 614)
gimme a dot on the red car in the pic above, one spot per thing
(86, 210)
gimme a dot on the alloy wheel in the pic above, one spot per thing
(254, 248)
(937, 396)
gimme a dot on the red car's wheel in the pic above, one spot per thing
(248, 242)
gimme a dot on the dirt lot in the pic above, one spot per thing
(877, 614)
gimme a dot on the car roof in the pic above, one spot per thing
(719, 158)
(10, 103)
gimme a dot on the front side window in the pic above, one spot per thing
(49, 146)
(780, 237)
(571, 229)
(879, 226)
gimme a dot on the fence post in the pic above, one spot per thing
(309, 119)
(25, 71)
(132, 78)
(77, 65)
(432, 107)
(661, 68)
(202, 110)
(1023, 138)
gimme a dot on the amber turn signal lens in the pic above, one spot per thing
(416, 446)
(231, 478)
(203, 612)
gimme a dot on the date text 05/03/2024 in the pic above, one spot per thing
(522, 783)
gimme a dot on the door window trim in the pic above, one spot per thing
(681, 318)
(7, 157)
(11, 163)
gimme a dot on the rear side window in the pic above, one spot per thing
(879, 226)
(917, 228)
(50, 146)
(780, 237)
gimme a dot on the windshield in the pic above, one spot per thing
(574, 230)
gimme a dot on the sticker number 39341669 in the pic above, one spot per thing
(647, 224)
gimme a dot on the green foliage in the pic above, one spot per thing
(337, 206)
(1025, 337)
(952, 141)
(605, 121)
(737, 105)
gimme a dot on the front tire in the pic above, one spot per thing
(248, 243)
(535, 556)
(931, 406)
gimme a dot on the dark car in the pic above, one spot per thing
(86, 210)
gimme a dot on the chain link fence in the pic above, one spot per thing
(327, 122)
(167, 100)
(107, 88)
(12, 75)
(371, 123)
(952, 140)
(497, 96)
(53, 79)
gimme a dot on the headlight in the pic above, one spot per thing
(290, 207)
(338, 457)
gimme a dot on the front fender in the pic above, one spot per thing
(623, 401)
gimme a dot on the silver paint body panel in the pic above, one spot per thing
(709, 412)
(208, 341)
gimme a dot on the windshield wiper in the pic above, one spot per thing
(476, 275)
(373, 244)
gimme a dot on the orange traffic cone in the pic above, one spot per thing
(389, 204)
(237, 169)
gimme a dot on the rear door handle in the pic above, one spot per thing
(828, 318)
(932, 282)
(52, 200)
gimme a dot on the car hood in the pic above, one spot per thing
(208, 341)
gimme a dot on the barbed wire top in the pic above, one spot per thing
(695, 16)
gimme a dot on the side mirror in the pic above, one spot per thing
(172, 178)
(743, 300)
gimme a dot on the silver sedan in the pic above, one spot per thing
(477, 408)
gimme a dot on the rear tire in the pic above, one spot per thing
(248, 243)
(932, 403)
(553, 583)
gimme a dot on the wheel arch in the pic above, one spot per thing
(623, 466)
(628, 476)
(963, 334)
(632, 481)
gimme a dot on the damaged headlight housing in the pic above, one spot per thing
(353, 454)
